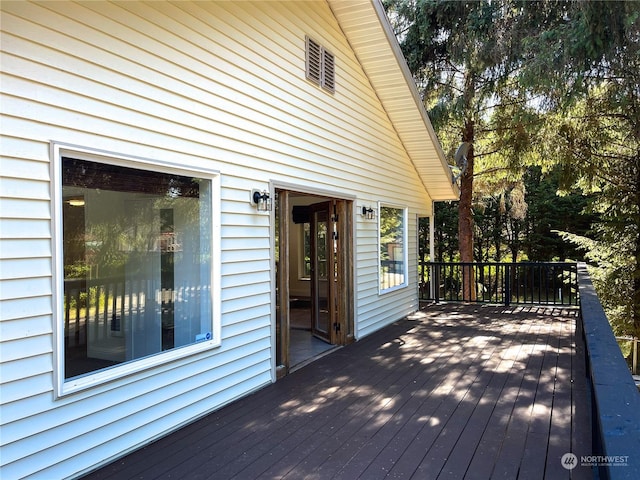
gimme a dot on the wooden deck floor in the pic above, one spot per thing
(453, 392)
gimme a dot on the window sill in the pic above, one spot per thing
(101, 377)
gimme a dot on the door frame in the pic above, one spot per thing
(344, 293)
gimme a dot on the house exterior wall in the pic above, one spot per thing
(219, 86)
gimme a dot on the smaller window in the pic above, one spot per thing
(393, 247)
(320, 65)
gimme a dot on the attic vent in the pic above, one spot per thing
(328, 71)
(320, 65)
(314, 61)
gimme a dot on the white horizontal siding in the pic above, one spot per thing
(18, 188)
(113, 437)
(30, 346)
(228, 128)
(22, 228)
(20, 328)
(26, 288)
(25, 208)
(28, 385)
(33, 365)
(207, 84)
(26, 308)
(22, 268)
(34, 246)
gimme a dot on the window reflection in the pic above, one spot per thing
(137, 263)
(392, 241)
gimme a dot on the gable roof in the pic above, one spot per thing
(365, 24)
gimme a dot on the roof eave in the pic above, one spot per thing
(391, 78)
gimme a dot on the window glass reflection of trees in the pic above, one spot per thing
(392, 239)
(137, 263)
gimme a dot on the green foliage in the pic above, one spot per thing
(446, 234)
(598, 151)
(553, 84)
(519, 223)
(549, 213)
(78, 269)
(465, 56)
(592, 135)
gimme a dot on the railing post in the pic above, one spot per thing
(507, 285)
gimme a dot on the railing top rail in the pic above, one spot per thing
(616, 398)
(569, 264)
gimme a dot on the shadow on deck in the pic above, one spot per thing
(455, 391)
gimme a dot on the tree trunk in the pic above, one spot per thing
(465, 217)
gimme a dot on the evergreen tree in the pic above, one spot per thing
(549, 214)
(464, 56)
(591, 88)
(558, 78)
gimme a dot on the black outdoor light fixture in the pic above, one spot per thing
(261, 199)
(368, 213)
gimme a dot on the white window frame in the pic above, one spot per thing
(405, 256)
(76, 384)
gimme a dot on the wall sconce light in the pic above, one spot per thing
(368, 213)
(261, 200)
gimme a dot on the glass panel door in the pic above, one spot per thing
(322, 270)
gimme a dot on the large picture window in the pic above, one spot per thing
(137, 257)
(393, 248)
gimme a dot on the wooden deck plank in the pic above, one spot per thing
(580, 407)
(532, 412)
(442, 450)
(236, 438)
(535, 459)
(367, 407)
(344, 398)
(510, 408)
(432, 417)
(406, 402)
(431, 373)
(560, 429)
(361, 461)
(458, 461)
(462, 392)
(170, 451)
(362, 407)
(347, 455)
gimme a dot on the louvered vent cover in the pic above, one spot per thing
(328, 71)
(320, 65)
(314, 61)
